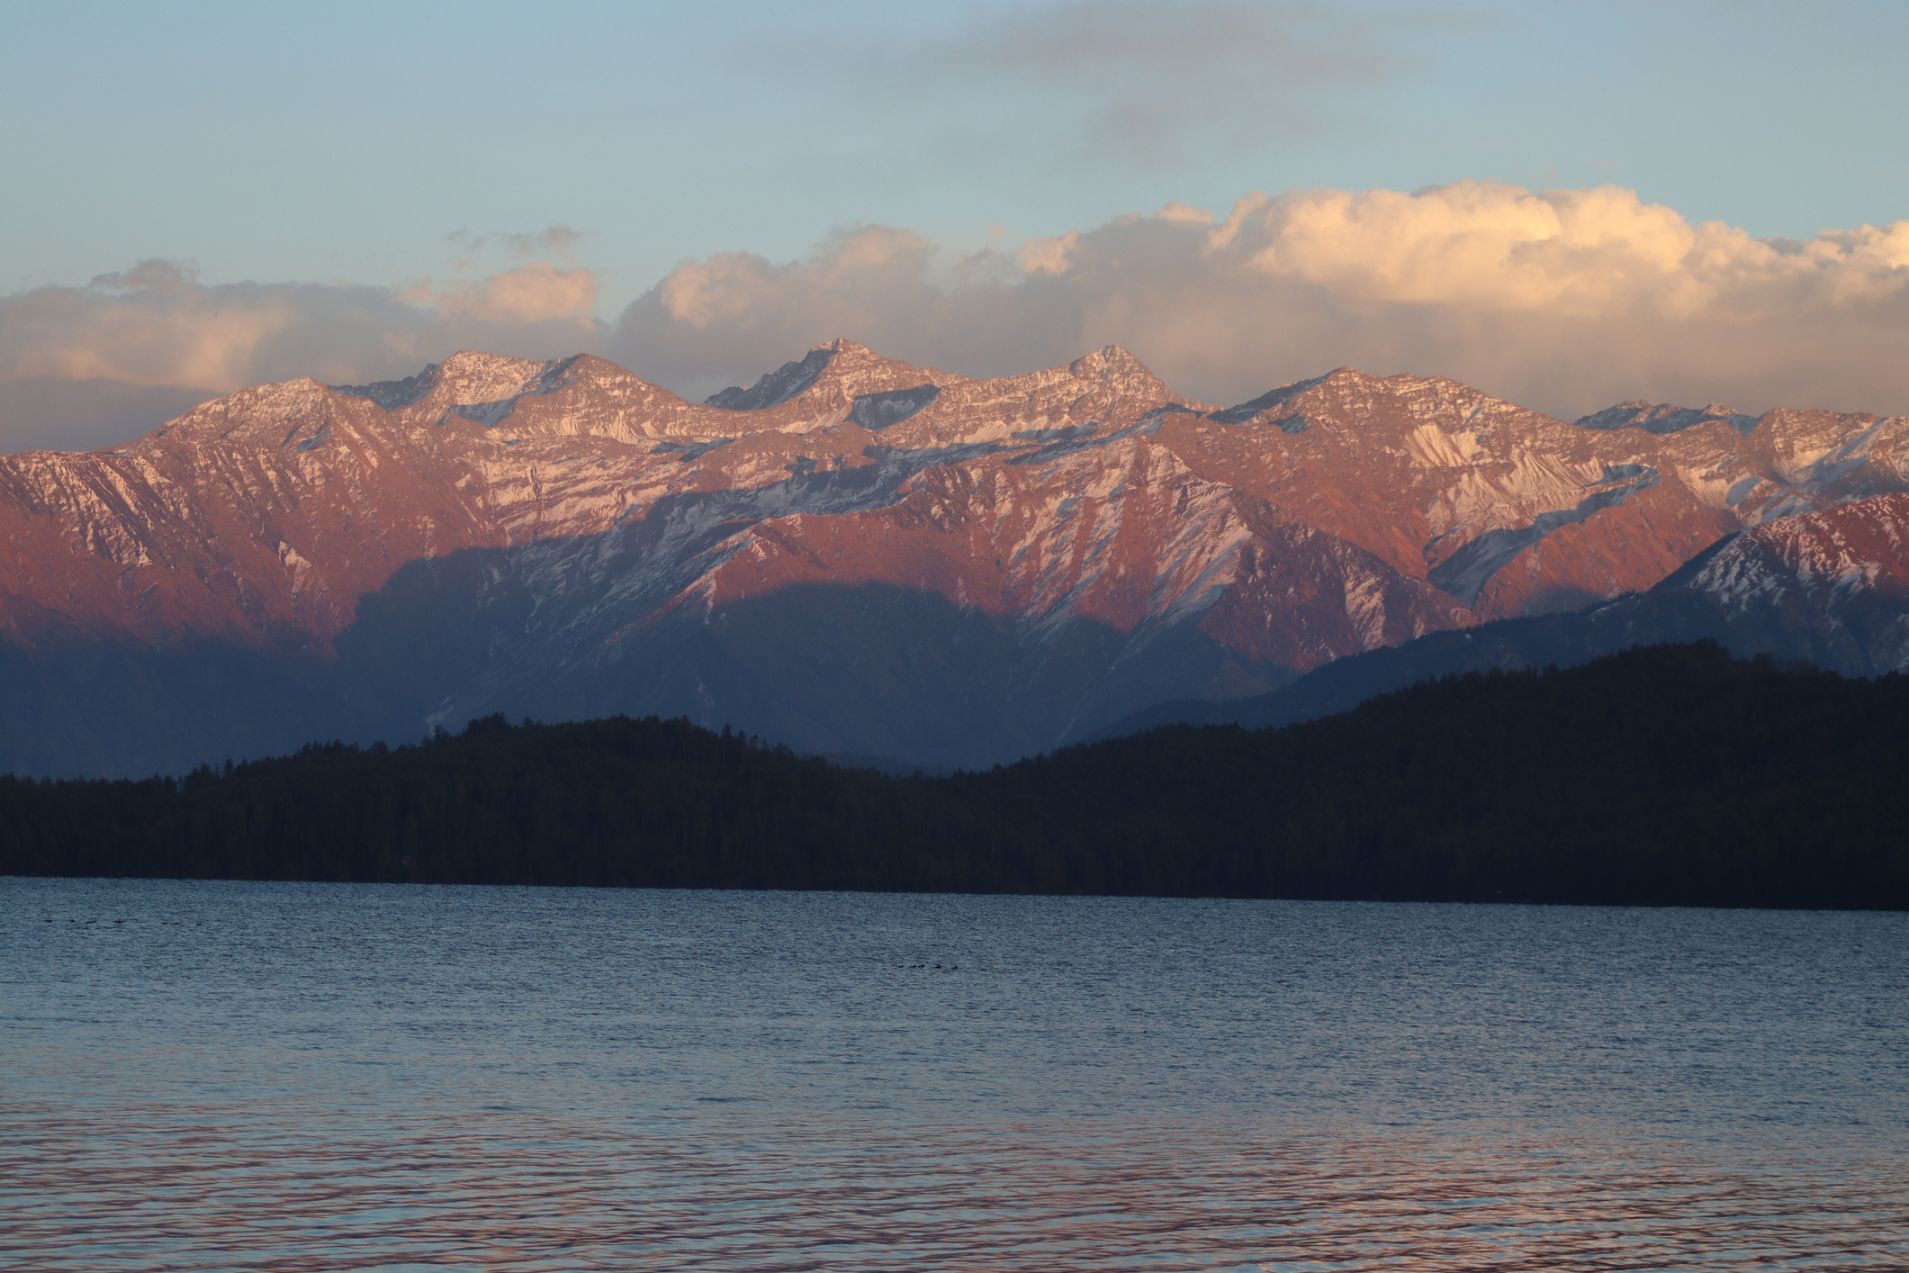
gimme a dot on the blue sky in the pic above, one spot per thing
(1565, 204)
(344, 142)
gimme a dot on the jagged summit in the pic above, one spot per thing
(838, 371)
(1404, 382)
(467, 376)
(470, 377)
(589, 371)
(1109, 361)
(278, 392)
(1664, 417)
(1268, 401)
(256, 411)
(1342, 381)
(473, 368)
(774, 387)
(839, 368)
(578, 395)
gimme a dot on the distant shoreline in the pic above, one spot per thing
(1507, 903)
(1666, 776)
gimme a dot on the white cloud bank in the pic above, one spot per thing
(1564, 300)
(87, 366)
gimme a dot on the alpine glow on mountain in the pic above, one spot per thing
(862, 557)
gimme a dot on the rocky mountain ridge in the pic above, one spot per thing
(1829, 587)
(852, 555)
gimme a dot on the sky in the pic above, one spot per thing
(1565, 204)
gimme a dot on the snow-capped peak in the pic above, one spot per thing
(1109, 362)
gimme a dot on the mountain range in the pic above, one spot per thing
(863, 558)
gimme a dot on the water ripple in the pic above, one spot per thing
(187, 1187)
(274, 1077)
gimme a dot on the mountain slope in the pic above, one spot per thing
(853, 555)
(1829, 588)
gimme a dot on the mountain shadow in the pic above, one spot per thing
(569, 629)
(82, 705)
(1863, 639)
(903, 676)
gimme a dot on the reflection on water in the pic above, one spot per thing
(268, 1076)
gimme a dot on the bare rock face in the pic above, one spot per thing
(859, 556)
(1831, 586)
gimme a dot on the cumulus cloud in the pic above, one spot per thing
(539, 293)
(1563, 299)
(151, 324)
(722, 320)
(157, 326)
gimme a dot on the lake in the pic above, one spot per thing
(268, 1075)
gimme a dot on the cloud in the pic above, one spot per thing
(45, 411)
(539, 293)
(710, 322)
(148, 325)
(557, 240)
(1563, 299)
(1134, 81)
(1148, 78)
(157, 326)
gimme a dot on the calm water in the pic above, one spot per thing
(249, 1075)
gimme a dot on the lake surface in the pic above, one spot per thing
(266, 1076)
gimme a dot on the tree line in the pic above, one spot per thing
(1665, 775)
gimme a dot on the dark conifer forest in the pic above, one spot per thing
(1669, 775)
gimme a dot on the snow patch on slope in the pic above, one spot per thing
(1664, 418)
(1465, 573)
(777, 386)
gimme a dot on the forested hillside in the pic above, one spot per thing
(1659, 776)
